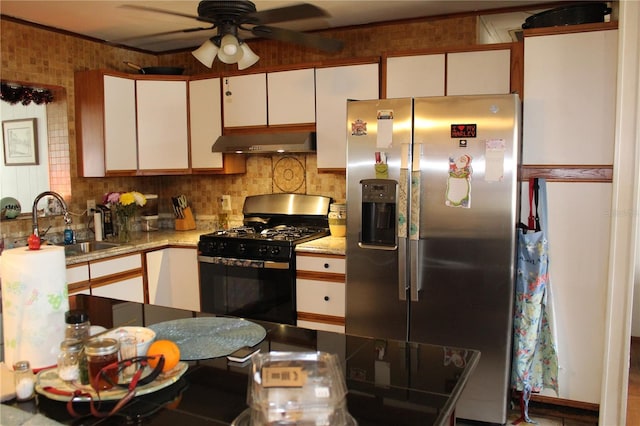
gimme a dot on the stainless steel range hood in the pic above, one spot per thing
(263, 143)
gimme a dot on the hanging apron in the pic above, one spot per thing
(535, 360)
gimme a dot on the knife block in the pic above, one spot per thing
(188, 222)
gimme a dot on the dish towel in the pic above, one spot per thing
(535, 359)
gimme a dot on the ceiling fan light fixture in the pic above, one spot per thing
(248, 57)
(206, 53)
(230, 51)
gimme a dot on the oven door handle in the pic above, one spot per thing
(243, 263)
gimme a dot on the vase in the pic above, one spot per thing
(124, 227)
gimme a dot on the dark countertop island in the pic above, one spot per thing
(388, 381)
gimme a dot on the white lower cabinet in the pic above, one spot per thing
(320, 291)
(78, 279)
(130, 290)
(118, 277)
(172, 278)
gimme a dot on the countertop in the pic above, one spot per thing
(142, 241)
(325, 245)
(388, 381)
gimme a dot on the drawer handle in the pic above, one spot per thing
(326, 266)
(326, 298)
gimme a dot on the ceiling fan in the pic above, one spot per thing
(229, 17)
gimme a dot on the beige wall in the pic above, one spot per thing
(33, 55)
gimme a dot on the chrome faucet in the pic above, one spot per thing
(34, 212)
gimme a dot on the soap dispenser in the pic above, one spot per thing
(69, 237)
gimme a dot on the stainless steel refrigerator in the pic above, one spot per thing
(432, 203)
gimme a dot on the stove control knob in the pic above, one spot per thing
(221, 246)
(262, 250)
(275, 250)
(242, 248)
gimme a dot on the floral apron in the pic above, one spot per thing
(535, 360)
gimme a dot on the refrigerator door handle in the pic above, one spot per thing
(415, 282)
(402, 269)
(403, 216)
(416, 275)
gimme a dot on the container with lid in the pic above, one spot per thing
(304, 388)
(100, 353)
(24, 380)
(69, 359)
(338, 219)
(78, 325)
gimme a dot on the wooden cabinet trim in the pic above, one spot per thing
(323, 255)
(568, 173)
(348, 62)
(326, 319)
(439, 50)
(281, 128)
(321, 276)
(78, 286)
(117, 277)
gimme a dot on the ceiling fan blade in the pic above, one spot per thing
(304, 39)
(287, 13)
(164, 33)
(168, 12)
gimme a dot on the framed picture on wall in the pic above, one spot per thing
(20, 139)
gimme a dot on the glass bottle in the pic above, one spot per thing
(69, 360)
(338, 219)
(24, 380)
(78, 327)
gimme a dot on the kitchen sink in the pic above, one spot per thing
(87, 247)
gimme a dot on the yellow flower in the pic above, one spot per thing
(127, 198)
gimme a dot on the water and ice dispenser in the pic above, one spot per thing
(378, 224)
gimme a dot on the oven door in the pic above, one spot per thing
(248, 288)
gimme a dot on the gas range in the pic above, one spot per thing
(273, 225)
(248, 242)
(250, 271)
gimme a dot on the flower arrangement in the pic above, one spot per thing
(125, 204)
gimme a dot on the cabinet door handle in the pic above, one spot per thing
(326, 298)
(326, 266)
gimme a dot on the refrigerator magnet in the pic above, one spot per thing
(458, 192)
(381, 167)
(385, 128)
(359, 128)
(494, 160)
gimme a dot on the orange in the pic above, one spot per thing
(169, 349)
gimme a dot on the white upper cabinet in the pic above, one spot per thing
(569, 98)
(414, 76)
(334, 86)
(206, 122)
(163, 139)
(120, 124)
(244, 100)
(483, 72)
(291, 97)
(479, 72)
